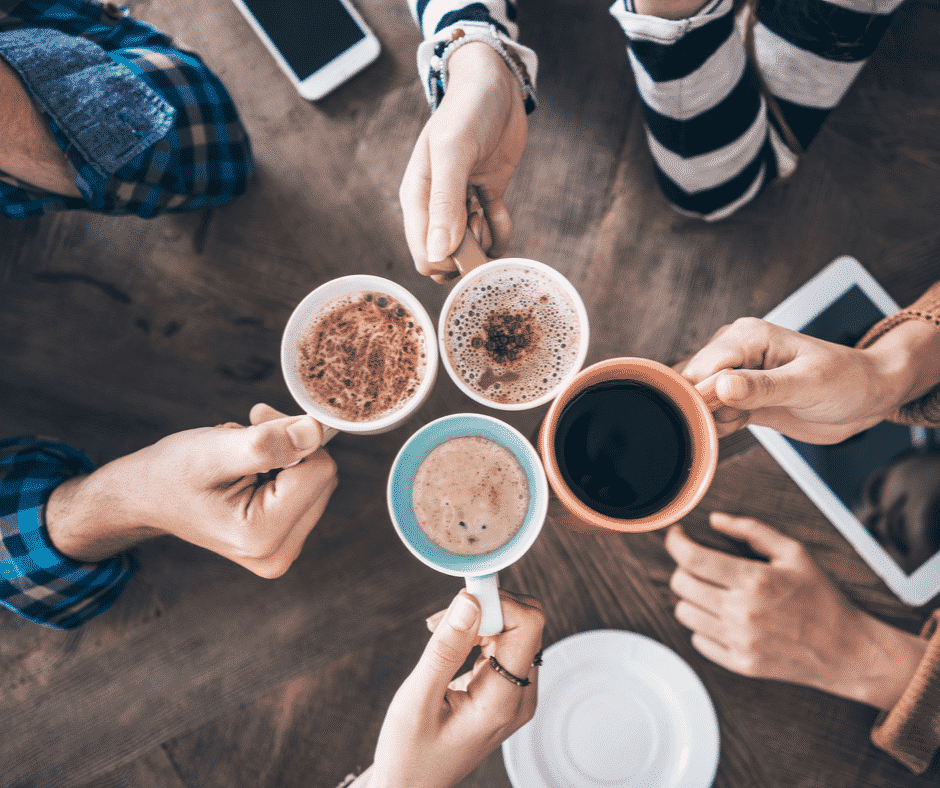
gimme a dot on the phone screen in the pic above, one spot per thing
(309, 33)
(848, 468)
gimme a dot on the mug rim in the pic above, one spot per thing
(583, 326)
(300, 319)
(529, 530)
(695, 412)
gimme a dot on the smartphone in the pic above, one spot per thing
(319, 44)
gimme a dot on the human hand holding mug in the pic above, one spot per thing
(806, 388)
(437, 730)
(467, 495)
(227, 489)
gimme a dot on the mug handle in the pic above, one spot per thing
(485, 589)
(469, 254)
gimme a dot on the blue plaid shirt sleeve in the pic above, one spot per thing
(205, 157)
(36, 580)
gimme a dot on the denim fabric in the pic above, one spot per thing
(100, 106)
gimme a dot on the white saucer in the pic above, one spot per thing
(615, 709)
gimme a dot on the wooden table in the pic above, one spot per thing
(115, 332)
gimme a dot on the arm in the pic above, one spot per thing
(37, 580)
(782, 619)
(250, 494)
(480, 85)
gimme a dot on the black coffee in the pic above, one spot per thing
(623, 449)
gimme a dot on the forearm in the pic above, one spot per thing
(88, 519)
(37, 580)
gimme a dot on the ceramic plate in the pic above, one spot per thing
(615, 709)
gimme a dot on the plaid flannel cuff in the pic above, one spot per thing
(36, 580)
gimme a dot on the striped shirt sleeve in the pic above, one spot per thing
(36, 580)
(449, 24)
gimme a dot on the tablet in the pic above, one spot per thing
(839, 305)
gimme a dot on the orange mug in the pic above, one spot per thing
(629, 445)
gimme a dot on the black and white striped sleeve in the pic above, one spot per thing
(449, 24)
(706, 100)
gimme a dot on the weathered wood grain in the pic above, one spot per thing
(116, 331)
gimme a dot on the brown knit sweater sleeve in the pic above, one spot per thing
(910, 732)
(926, 410)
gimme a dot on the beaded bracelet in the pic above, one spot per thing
(463, 34)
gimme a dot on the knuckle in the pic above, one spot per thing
(442, 655)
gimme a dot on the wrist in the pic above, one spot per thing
(889, 660)
(906, 361)
(88, 521)
(477, 61)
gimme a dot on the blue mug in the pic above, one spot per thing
(479, 570)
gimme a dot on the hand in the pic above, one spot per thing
(783, 619)
(217, 487)
(475, 138)
(811, 390)
(437, 730)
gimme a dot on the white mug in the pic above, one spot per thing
(474, 265)
(314, 305)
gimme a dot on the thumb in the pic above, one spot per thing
(447, 206)
(751, 389)
(264, 447)
(449, 646)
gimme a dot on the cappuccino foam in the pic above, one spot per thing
(513, 335)
(362, 356)
(470, 495)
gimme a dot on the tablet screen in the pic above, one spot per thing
(856, 470)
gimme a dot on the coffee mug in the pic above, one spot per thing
(513, 332)
(478, 570)
(629, 445)
(317, 304)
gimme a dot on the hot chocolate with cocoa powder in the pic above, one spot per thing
(362, 356)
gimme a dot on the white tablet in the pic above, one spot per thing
(840, 304)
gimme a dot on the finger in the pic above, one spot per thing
(433, 620)
(414, 195)
(261, 413)
(449, 646)
(713, 566)
(745, 344)
(230, 454)
(514, 649)
(758, 535)
(447, 199)
(700, 621)
(717, 652)
(287, 509)
(499, 223)
(704, 595)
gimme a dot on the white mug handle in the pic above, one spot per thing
(485, 588)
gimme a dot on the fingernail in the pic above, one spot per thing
(304, 434)
(731, 387)
(438, 245)
(462, 614)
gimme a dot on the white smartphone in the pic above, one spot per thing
(319, 44)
